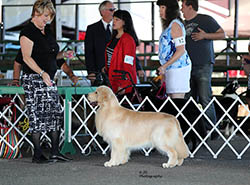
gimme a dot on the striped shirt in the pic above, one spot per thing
(110, 50)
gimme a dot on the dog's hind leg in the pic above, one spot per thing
(182, 151)
(172, 156)
(164, 140)
(180, 161)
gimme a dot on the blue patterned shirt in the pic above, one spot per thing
(167, 48)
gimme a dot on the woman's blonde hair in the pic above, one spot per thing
(41, 5)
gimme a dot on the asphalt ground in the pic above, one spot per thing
(140, 170)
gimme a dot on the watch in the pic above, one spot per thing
(41, 73)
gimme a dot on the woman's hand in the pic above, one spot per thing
(121, 92)
(246, 57)
(74, 79)
(243, 60)
(140, 73)
(46, 79)
(68, 54)
(162, 70)
(103, 70)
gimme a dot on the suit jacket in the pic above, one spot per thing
(95, 44)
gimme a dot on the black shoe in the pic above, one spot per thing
(41, 160)
(59, 158)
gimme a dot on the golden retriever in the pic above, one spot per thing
(127, 130)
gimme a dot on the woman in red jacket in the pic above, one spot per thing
(121, 50)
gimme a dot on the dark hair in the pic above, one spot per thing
(193, 3)
(128, 26)
(172, 11)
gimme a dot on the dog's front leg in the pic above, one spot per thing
(111, 162)
(125, 157)
(117, 153)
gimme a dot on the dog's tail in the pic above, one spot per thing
(181, 147)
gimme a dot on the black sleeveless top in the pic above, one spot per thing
(45, 49)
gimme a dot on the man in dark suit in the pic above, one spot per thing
(97, 38)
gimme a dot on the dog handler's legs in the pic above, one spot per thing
(55, 142)
(36, 143)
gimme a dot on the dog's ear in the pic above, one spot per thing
(103, 96)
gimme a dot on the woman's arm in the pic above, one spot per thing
(176, 33)
(246, 57)
(69, 72)
(26, 48)
(16, 73)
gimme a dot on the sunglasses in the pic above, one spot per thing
(111, 9)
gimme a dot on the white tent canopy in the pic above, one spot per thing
(88, 14)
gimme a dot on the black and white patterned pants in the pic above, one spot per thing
(44, 110)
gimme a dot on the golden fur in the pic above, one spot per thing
(126, 130)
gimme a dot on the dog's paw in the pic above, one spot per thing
(180, 161)
(109, 164)
(124, 161)
(168, 165)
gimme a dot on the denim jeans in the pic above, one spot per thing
(201, 89)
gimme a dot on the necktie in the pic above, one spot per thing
(108, 33)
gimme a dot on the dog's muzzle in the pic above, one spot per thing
(92, 103)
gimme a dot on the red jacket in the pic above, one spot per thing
(123, 58)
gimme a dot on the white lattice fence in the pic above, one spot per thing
(86, 138)
(20, 124)
(21, 114)
(204, 142)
